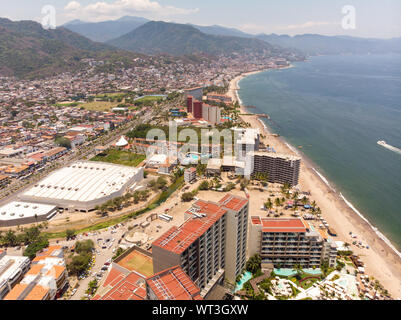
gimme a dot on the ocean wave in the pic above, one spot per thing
(292, 148)
(379, 234)
(324, 179)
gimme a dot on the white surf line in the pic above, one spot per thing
(381, 235)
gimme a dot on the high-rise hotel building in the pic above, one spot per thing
(281, 168)
(289, 242)
(210, 244)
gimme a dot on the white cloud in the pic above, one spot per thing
(104, 10)
(73, 5)
(306, 25)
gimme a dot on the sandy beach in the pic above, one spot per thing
(381, 261)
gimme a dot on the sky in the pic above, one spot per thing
(369, 18)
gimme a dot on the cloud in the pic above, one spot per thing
(110, 10)
(306, 25)
(73, 5)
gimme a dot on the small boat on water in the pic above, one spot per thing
(389, 147)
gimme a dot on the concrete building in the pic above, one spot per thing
(289, 242)
(200, 244)
(18, 213)
(12, 269)
(211, 114)
(190, 175)
(45, 280)
(247, 140)
(281, 168)
(84, 185)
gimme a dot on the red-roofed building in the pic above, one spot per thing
(199, 247)
(288, 242)
(172, 284)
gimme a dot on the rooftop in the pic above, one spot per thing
(173, 284)
(204, 215)
(82, 182)
(280, 225)
(18, 209)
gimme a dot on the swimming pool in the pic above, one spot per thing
(245, 277)
(286, 272)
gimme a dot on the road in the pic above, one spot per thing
(101, 255)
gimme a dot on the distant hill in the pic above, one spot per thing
(106, 30)
(26, 49)
(314, 44)
(180, 39)
(222, 31)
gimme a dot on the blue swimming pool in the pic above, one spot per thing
(286, 272)
(245, 277)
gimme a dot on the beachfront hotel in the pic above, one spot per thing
(281, 168)
(289, 242)
(210, 245)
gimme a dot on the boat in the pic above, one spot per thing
(387, 146)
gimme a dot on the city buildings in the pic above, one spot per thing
(12, 269)
(210, 243)
(289, 242)
(45, 280)
(84, 185)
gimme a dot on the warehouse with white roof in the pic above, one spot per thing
(84, 185)
(17, 213)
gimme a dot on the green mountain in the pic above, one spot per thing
(106, 30)
(222, 31)
(179, 39)
(26, 49)
(314, 44)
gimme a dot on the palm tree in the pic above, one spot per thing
(277, 202)
(269, 204)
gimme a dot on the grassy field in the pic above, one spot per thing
(99, 105)
(125, 158)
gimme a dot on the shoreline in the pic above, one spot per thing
(382, 260)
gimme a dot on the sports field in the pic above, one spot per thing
(137, 261)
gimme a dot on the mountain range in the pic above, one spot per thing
(309, 44)
(106, 30)
(26, 49)
(156, 37)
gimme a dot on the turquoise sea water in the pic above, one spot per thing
(337, 108)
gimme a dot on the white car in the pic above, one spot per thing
(73, 292)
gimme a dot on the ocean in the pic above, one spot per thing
(337, 108)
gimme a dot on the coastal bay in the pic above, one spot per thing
(382, 259)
